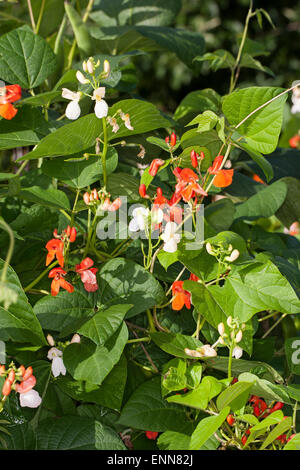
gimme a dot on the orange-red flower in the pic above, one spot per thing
(154, 166)
(55, 248)
(187, 186)
(58, 281)
(152, 435)
(222, 178)
(87, 274)
(11, 93)
(295, 141)
(193, 277)
(181, 297)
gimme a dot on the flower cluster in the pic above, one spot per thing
(235, 337)
(100, 200)
(55, 355)
(8, 95)
(57, 247)
(22, 381)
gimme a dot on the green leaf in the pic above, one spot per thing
(86, 361)
(198, 398)
(25, 58)
(147, 410)
(293, 444)
(76, 433)
(50, 197)
(206, 121)
(109, 394)
(219, 59)
(144, 117)
(66, 312)
(206, 428)
(185, 44)
(80, 174)
(18, 322)
(208, 141)
(234, 396)
(124, 281)
(69, 139)
(171, 440)
(264, 388)
(151, 12)
(220, 214)
(263, 204)
(261, 161)
(263, 127)
(175, 343)
(21, 437)
(81, 32)
(104, 323)
(290, 211)
(197, 102)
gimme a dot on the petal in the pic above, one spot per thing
(66, 285)
(7, 111)
(101, 109)
(170, 246)
(30, 399)
(223, 178)
(50, 257)
(133, 226)
(91, 287)
(55, 285)
(26, 385)
(73, 110)
(88, 276)
(58, 367)
(178, 301)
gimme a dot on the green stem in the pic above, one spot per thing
(138, 340)
(31, 15)
(104, 152)
(71, 225)
(274, 326)
(151, 322)
(33, 283)
(7, 228)
(40, 16)
(60, 34)
(90, 233)
(230, 359)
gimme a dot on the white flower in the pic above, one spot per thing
(157, 216)
(76, 338)
(90, 66)
(50, 340)
(296, 101)
(170, 237)
(209, 248)
(239, 336)
(234, 256)
(30, 399)
(205, 351)
(140, 216)
(221, 329)
(106, 68)
(73, 109)
(237, 352)
(101, 107)
(57, 367)
(81, 78)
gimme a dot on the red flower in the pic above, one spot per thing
(11, 94)
(160, 200)
(151, 435)
(58, 281)
(26, 385)
(187, 185)
(222, 178)
(154, 166)
(27, 373)
(87, 274)
(193, 277)
(230, 420)
(259, 405)
(143, 191)
(276, 407)
(295, 141)
(181, 297)
(55, 249)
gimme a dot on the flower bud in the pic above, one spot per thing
(22, 370)
(237, 352)
(86, 198)
(194, 159)
(239, 336)
(159, 192)
(234, 256)
(94, 192)
(50, 340)
(106, 68)
(6, 389)
(90, 66)
(76, 338)
(202, 156)
(221, 329)
(73, 234)
(81, 78)
(209, 248)
(154, 166)
(229, 321)
(173, 139)
(115, 205)
(11, 376)
(28, 373)
(84, 66)
(2, 370)
(221, 340)
(167, 139)
(143, 190)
